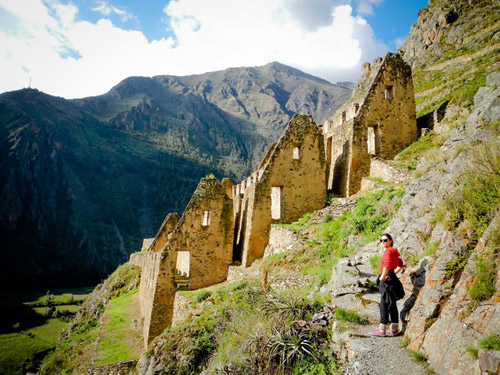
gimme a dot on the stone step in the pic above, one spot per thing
(181, 281)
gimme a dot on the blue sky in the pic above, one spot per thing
(77, 48)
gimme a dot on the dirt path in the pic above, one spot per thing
(380, 356)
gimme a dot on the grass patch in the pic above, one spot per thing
(304, 219)
(476, 196)
(473, 351)
(118, 342)
(432, 247)
(410, 156)
(202, 295)
(375, 263)
(455, 266)
(404, 343)
(411, 260)
(351, 316)
(417, 356)
(20, 352)
(75, 354)
(491, 342)
(485, 273)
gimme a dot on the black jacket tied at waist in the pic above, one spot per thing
(391, 289)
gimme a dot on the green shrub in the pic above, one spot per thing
(202, 295)
(344, 315)
(326, 364)
(484, 286)
(455, 266)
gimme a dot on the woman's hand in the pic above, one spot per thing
(384, 274)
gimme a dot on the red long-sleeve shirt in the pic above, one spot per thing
(390, 260)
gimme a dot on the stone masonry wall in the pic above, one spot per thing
(206, 231)
(297, 167)
(383, 125)
(163, 294)
(389, 109)
(167, 227)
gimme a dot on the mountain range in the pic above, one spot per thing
(83, 181)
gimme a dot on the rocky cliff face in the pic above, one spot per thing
(452, 47)
(442, 280)
(83, 181)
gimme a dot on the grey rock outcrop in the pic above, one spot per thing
(441, 304)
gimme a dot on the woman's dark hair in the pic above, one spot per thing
(389, 237)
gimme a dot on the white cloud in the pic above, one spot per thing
(365, 7)
(398, 42)
(106, 9)
(74, 58)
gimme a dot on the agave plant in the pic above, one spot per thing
(288, 308)
(288, 344)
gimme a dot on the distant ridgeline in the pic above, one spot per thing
(226, 224)
(83, 181)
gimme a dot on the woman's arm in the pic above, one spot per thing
(383, 276)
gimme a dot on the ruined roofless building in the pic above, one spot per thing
(378, 122)
(225, 224)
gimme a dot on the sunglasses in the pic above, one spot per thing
(384, 240)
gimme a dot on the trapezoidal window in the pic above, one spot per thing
(276, 204)
(296, 153)
(372, 140)
(389, 92)
(206, 218)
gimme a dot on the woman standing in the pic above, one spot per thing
(390, 288)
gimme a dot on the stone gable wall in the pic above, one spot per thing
(302, 182)
(210, 246)
(167, 227)
(385, 119)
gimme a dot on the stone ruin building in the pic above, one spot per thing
(375, 124)
(225, 224)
